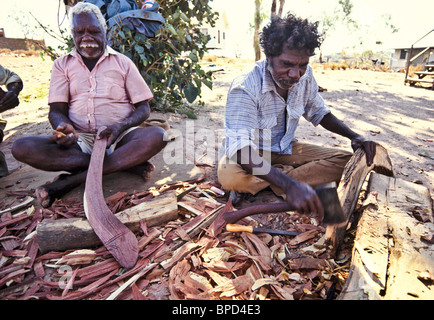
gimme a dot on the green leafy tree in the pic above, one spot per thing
(169, 62)
(342, 13)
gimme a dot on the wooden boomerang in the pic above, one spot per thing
(116, 237)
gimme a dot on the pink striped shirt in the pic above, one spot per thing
(99, 98)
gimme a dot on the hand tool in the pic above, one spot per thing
(333, 213)
(328, 195)
(251, 229)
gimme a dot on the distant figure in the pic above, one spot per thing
(91, 87)
(8, 100)
(263, 109)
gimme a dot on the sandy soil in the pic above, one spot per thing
(376, 104)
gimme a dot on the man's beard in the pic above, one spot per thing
(282, 83)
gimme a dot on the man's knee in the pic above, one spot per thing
(22, 148)
(226, 177)
(233, 177)
(343, 157)
(152, 137)
(158, 136)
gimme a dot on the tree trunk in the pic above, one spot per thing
(281, 4)
(273, 7)
(256, 45)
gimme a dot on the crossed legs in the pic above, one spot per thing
(131, 154)
(308, 163)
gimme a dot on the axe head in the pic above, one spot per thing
(333, 213)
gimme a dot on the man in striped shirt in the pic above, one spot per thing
(264, 105)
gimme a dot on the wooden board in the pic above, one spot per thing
(390, 254)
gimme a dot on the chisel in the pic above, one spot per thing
(251, 229)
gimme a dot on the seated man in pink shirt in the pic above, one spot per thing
(91, 87)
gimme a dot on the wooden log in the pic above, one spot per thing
(76, 233)
(390, 254)
(353, 177)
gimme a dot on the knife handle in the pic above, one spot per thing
(238, 228)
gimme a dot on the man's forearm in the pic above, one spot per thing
(15, 87)
(333, 124)
(56, 119)
(58, 114)
(140, 114)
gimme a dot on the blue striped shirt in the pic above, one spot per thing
(257, 116)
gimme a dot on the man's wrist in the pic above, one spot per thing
(15, 87)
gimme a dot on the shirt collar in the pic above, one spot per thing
(267, 83)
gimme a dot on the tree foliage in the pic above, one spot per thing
(169, 62)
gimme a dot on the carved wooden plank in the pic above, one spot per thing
(390, 253)
(115, 236)
(76, 233)
(370, 257)
(353, 177)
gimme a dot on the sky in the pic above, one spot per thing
(412, 18)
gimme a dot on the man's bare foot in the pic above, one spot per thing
(47, 193)
(144, 170)
(43, 197)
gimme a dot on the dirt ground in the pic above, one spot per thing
(376, 104)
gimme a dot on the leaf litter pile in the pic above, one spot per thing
(190, 258)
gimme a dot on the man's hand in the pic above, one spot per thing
(299, 195)
(111, 133)
(9, 101)
(367, 145)
(141, 113)
(304, 199)
(65, 135)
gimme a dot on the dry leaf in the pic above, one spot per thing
(234, 286)
(263, 282)
(83, 256)
(302, 237)
(284, 293)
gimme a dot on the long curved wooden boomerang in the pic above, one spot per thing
(115, 236)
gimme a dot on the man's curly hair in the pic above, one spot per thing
(290, 32)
